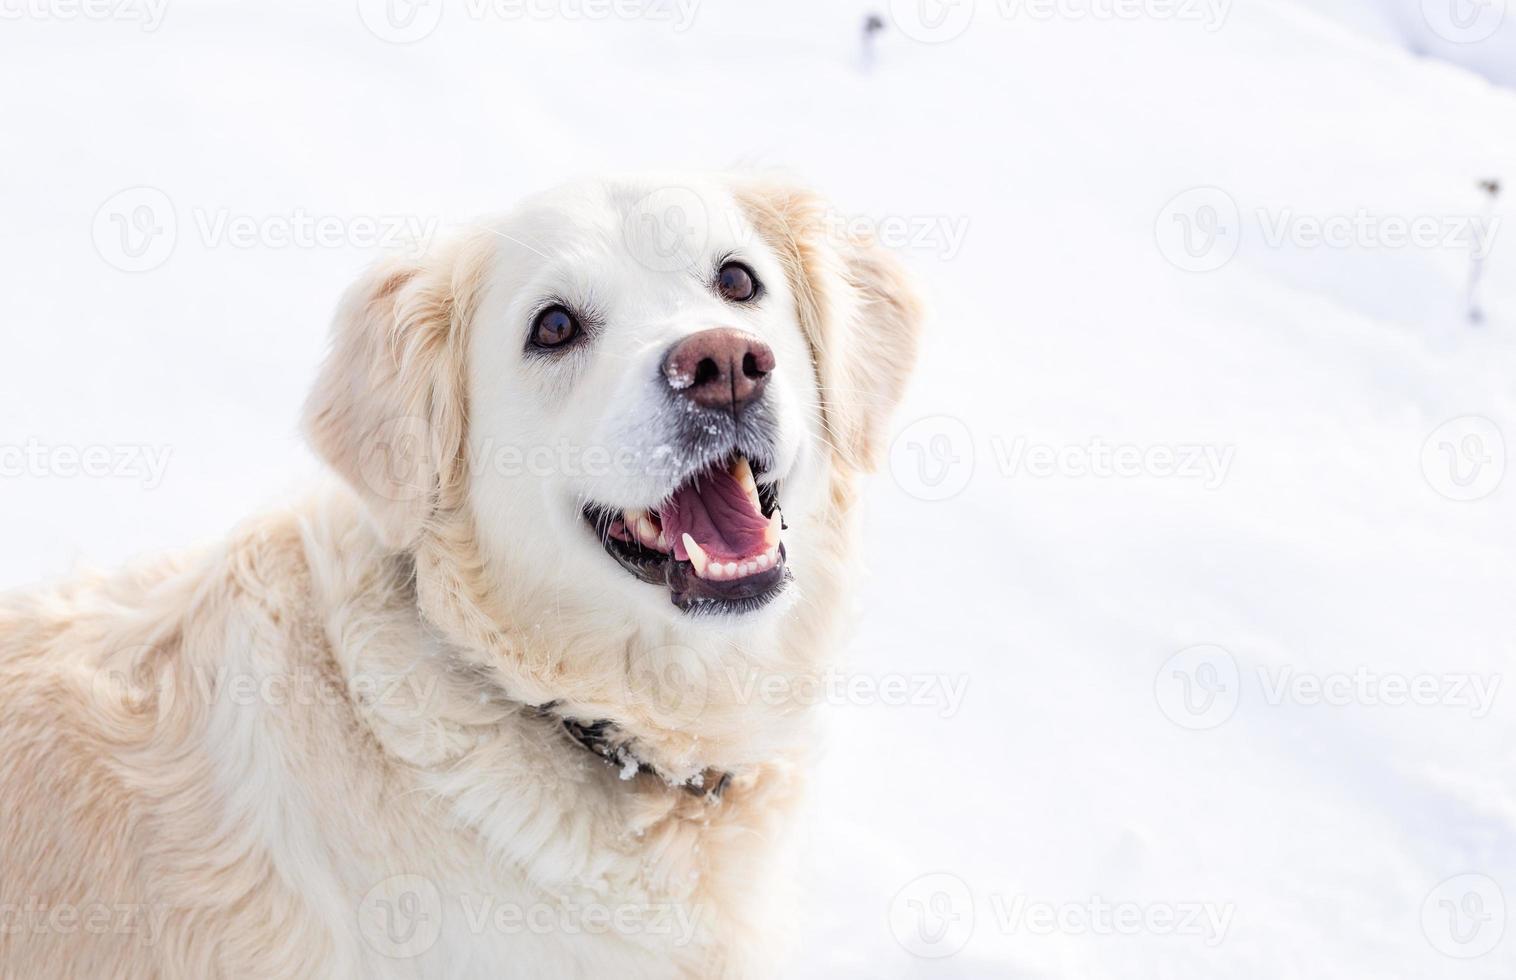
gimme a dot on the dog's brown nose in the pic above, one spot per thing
(721, 368)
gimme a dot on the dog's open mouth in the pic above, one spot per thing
(714, 542)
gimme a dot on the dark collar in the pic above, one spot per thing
(605, 740)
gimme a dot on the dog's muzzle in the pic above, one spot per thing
(714, 538)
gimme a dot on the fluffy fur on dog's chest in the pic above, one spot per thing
(274, 738)
(334, 745)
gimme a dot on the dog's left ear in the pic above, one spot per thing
(861, 312)
(388, 411)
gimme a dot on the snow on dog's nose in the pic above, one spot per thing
(721, 368)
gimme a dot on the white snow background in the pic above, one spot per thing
(1143, 777)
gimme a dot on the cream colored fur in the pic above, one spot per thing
(309, 751)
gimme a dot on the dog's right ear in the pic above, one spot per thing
(860, 309)
(388, 409)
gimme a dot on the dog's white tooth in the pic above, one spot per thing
(771, 534)
(647, 532)
(763, 562)
(632, 516)
(746, 568)
(731, 569)
(742, 472)
(697, 556)
(663, 542)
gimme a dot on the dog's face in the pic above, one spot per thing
(640, 392)
(643, 399)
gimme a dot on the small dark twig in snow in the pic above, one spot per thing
(1491, 189)
(873, 25)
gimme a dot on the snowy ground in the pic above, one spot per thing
(1187, 448)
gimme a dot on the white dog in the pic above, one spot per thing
(524, 695)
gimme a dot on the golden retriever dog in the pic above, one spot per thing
(524, 693)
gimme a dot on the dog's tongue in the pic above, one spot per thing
(720, 510)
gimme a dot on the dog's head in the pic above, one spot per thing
(643, 397)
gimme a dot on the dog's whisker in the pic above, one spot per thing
(511, 238)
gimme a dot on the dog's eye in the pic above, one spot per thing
(554, 327)
(737, 282)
